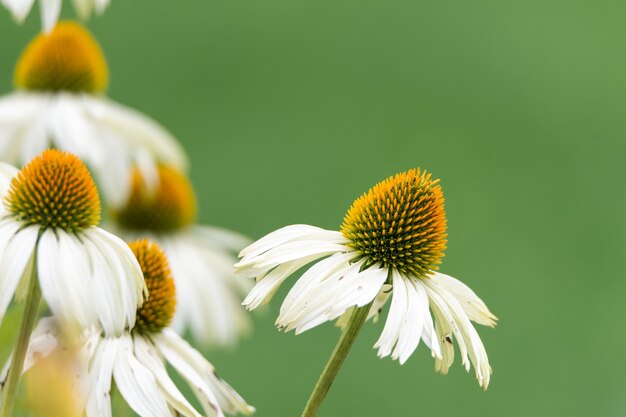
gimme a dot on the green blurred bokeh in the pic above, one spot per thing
(291, 109)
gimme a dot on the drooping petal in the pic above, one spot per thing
(50, 11)
(65, 278)
(101, 375)
(136, 383)
(399, 303)
(149, 357)
(121, 259)
(473, 306)
(201, 375)
(16, 251)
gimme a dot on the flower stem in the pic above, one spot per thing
(350, 332)
(31, 307)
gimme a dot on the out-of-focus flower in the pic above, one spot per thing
(59, 103)
(392, 240)
(201, 257)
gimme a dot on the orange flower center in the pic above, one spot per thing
(400, 223)
(157, 311)
(171, 206)
(54, 190)
(66, 59)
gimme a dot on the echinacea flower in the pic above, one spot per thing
(60, 103)
(51, 9)
(48, 222)
(392, 240)
(136, 360)
(201, 257)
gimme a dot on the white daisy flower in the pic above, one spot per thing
(48, 219)
(201, 257)
(51, 9)
(59, 103)
(136, 360)
(391, 240)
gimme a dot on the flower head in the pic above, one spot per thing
(157, 312)
(56, 191)
(171, 206)
(391, 242)
(201, 256)
(400, 223)
(66, 59)
(48, 225)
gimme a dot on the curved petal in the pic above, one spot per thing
(16, 251)
(101, 374)
(65, 279)
(201, 375)
(121, 259)
(149, 357)
(137, 383)
(473, 306)
(50, 11)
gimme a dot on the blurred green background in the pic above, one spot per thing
(291, 109)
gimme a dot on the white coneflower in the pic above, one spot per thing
(201, 257)
(392, 239)
(136, 360)
(48, 224)
(51, 9)
(60, 103)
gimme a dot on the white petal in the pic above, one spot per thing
(16, 251)
(413, 323)
(332, 297)
(465, 333)
(395, 319)
(120, 258)
(50, 10)
(473, 306)
(101, 373)
(268, 283)
(149, 357)
(200, 374)
(19, 8)
(63, 268)
(137, 384)
(288, 234)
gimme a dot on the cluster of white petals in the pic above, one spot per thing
(342, 280)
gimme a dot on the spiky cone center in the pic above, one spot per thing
(157, 311)
(54, 190)
(66, 59)
(171, 206)
(400, 223)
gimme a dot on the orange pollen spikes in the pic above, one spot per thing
(54, 190)
(400, 223)
(157, 311)
(171, 206)
(66, 59)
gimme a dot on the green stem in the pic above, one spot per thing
(351, 331)
(9, 390)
